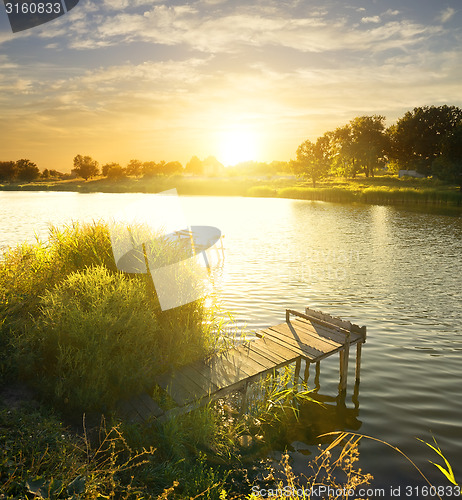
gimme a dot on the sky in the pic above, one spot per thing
(239, 80)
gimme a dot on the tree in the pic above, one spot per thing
(343, 152)
(417, 138)
(85, 166)
(368, 145)
(27, 171)
(313, 159)
(113, 171)
(134, 167)
(448, 166)
(151, 168)
(212, 167)
(8, 170)
(194, 166)
(172, 167)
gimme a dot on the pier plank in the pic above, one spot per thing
(309, 338)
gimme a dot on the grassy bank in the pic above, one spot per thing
(385, 189)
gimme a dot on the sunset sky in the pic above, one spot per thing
(239, 80)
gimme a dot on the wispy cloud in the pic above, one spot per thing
(223, 31)
(371, 19)
(446, 14)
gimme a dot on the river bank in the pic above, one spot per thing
(379, 190)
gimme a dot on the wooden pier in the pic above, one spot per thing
(310, 336)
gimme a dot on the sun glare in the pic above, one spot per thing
(237, 146)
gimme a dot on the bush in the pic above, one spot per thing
(95, 340)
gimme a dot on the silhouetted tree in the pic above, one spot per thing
(85, 166)
(194, 166)
(417, 138)
(313, 159)
(151, 168)
(134, 167)
(8, 170)
(27, 171)
(172, 167)
(369, 142)
(448, 166)
(344, 161)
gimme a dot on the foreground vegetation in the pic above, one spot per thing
(76, 336)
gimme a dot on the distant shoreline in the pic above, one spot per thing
(382, 190)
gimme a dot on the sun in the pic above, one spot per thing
(236, 146)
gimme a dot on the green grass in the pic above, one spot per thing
(83, 333)
(381, 189)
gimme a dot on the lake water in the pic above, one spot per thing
(396, 271)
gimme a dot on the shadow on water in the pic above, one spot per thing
(300, 436)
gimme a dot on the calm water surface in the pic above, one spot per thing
(396, 271)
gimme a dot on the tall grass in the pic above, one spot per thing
(40, 458)
(85, 334)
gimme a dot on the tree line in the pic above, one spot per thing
(427, 140)
(24, 171)
(86, 167)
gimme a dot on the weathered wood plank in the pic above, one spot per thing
(262, 349)
(200, 379)
(333, 334)
(333, 320)
(241, 359)
(259, 358)
(290, 339)
(180, 388)
(222, 375)
(297, 348)
(151, 405)
(329, 334)
(140, 408)
(235, 362)
(293, 352)
(281, 350)
(127, 410)
(307, 337)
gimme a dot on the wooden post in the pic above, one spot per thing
(358, 361)
(317, 384)
(244, 399)
(355, 397)
(298, 364)
(344, 355)
(307, 372)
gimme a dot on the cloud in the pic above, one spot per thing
(446, 14)
(214, 29)
(371, 19)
